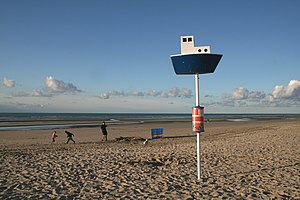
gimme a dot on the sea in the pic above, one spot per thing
(38, 121)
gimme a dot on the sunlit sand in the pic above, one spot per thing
(258, 159)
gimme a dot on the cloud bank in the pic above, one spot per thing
(281, 96)
(284, 97)
(173, 92)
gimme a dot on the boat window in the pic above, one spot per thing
(183, 39)
(190, 39)
(205, 50)
(199, 50)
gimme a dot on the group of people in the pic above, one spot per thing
(71, 135)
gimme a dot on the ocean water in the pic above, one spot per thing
(85, 116)
(9, 121)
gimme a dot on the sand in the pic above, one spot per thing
(240, 160)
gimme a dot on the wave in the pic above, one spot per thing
(240, 120)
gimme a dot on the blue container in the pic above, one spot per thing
(157, 133)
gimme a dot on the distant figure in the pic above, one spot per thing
(69, 136)
(104, 131)
(53, 136)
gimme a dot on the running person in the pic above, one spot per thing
(69, 136)
(53, 136)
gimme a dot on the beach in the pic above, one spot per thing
(239, 160)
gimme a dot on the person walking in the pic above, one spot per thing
(104, 131)
(53, 136)
(69, 136)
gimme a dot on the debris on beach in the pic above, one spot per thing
(128, 139)
(145, 142)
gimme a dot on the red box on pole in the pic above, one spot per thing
(198, 119)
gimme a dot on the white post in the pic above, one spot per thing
(197, 90)
(198, 134)
(198, 156)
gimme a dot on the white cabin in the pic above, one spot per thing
(187, 46)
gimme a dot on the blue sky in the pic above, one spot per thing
(114, 56)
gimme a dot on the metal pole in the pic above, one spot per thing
(198, 156)
(197, 89)
(198, 134)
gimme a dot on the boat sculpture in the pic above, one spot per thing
(194, 60)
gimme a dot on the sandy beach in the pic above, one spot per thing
(240, 160)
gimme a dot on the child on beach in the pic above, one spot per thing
(104, 131)
(53, 136)
(69, 136)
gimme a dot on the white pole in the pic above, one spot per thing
(198, 134)
(198, 156)
(197, 89)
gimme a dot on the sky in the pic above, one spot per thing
(114, 56)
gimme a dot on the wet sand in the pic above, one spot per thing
(240, 160)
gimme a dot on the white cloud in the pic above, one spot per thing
(227, 100)
(242, 97)
(240, 93)
(174, 92)
(136, 93)
(185, 92)
(117, 93)
(256, 95)
(292, 91)
(39, 93)
(8, 83)
(103, 96)
(57, 86)
(154, 93)
(164, 94)
(285, 95)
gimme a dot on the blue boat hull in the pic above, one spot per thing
(195, 63)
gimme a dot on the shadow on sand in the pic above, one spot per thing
(180, 136)
(204, 179)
